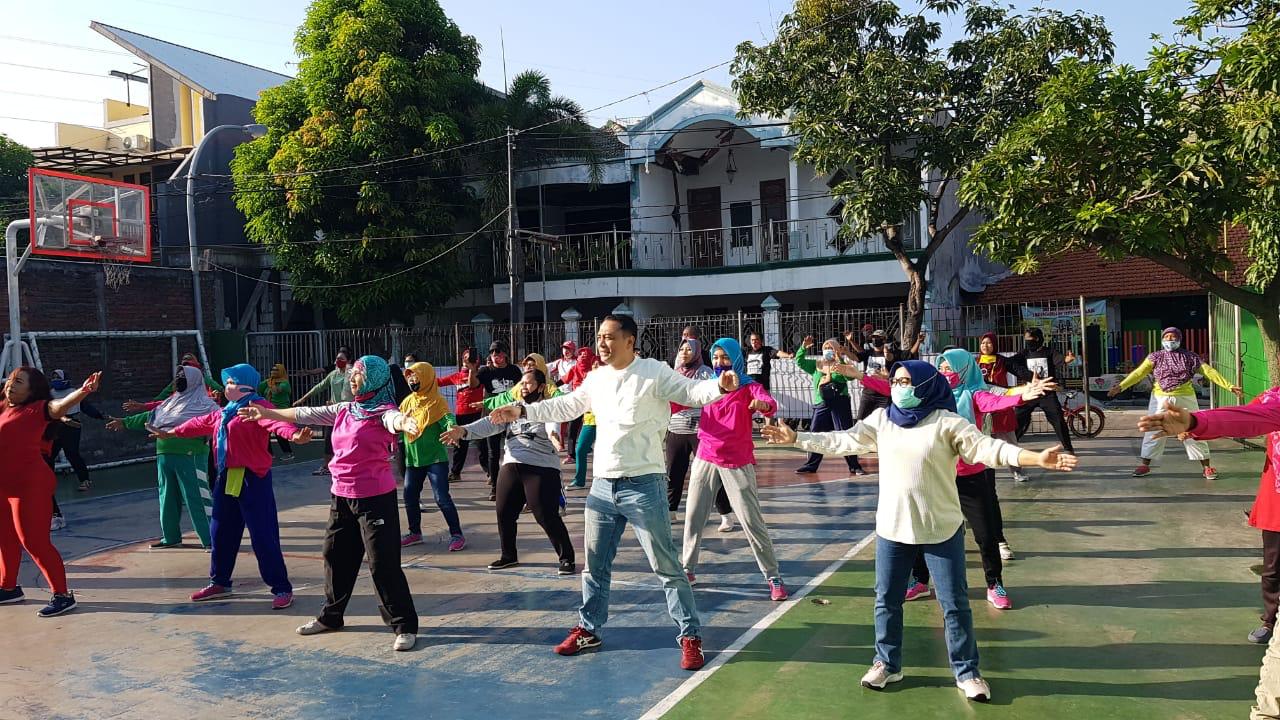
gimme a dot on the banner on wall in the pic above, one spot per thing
(1061, 323)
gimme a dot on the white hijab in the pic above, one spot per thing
(180, 407)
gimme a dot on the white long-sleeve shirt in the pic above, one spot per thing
(919, 503)
(632, 407)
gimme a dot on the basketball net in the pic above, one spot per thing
(116, 272)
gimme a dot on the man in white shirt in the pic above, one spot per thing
(568, 358)
(630, 397)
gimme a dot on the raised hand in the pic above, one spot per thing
(808, 341)
(250, 412)
(758, 406)
(92, 383)
(302, 437)
(728, 381)
(1054, 459)
(505, 414)
(453, 435)
(778, 433)
(1169, 422)
(115, 424)
(132, 406)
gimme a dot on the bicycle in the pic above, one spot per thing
(1082, 424)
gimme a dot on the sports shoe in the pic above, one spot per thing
(998, 598)
(1210, 473)
(161, 545)
(211, 591)
(404, 642)
(281, 600)
(879, 676)
(918, 591)
(84, 486)
(313, 627)
(1006, 552)
(693, 579)
(691, 657)
(726, 523)
(575, 486)
(58, 604)
(57, 523)
(1142, 470)
(493, 496)
(1261, 636)
(1019, 476)
(14, 595)
(503, 564)
(975, 689)
(579, 639)
(777, 591)
(526, 510)
(322, 470)
(567, 568)
(411, 539)
(456, 543)
(804, 470)
(454, 477)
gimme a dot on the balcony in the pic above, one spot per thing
(621, 251)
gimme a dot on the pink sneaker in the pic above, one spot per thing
(211, 592)
(998, 598)
(1210, 473)
(1141, 470)
(456, 543)
(777, 591)
(411, 539)
(918, 591)
(281, 600)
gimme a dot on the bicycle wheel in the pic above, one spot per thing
(1087, 425)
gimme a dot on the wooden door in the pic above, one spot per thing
(773, 211)
(705, 236)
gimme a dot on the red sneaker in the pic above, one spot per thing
(579, 639)
(1210, 473)
(691, 657)
(1141, 470)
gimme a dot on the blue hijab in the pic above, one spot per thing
(971, 381)
(241, 374)
(930, 387)
(734, 351)
(377, 392)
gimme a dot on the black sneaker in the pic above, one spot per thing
(454, 477)
(503, 564)
(58, 604)
(493, 495)
(161, 545)
(567, 567)
(11, 596)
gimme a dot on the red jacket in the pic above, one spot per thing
(467, 396)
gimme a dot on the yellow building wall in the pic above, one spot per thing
(116, 110)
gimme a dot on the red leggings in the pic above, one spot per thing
(24, 523)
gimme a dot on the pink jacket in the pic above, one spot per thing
(724, 431)
(246, 441)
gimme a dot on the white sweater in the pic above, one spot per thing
(632, 407)
(919, 503)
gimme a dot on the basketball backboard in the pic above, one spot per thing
(89, 217)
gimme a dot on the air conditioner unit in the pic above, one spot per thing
(140, 143)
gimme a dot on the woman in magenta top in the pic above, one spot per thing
(726, 457)
(242, 492)
(364, 517)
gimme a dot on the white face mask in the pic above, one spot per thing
(1170, 345)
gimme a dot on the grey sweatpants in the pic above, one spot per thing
(705, 480)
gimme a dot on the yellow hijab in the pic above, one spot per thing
(277, 376)
(425, 405)
(539, 363)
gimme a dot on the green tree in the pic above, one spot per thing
(547, 128)
(378, 80)
(15, 160)
(1153, 162)
(876, 95)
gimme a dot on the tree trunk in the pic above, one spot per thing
(913, 319)
(1269, 327)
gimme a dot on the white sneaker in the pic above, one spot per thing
(57, 523)
(975, 689)
(726, 523)
(405, 641)
(1006, 552)
(879, 676)
(313, 627)
(1019, 476)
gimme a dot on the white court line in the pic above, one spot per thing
(723, 656)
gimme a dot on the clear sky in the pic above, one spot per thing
(595, 51)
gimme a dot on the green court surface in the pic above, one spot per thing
(1132, 598)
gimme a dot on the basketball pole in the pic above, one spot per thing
(15, 351)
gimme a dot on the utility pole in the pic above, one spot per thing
(514, 259)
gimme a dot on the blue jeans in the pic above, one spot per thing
(642, 501)
(438, 476)
(946, 564)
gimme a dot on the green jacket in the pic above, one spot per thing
(169, 446)
(508, 397)
(282, 398)
(809, 365)
(427, 449)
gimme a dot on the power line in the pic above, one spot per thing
(86, 48)
(49, 97)
(100, 76)
(54, 122)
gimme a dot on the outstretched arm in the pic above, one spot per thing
(1244, 421)
(57, 409)
(1216, 378)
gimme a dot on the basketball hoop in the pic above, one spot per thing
(117, 274)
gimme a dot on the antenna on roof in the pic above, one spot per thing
(502, 41)
(128, 77)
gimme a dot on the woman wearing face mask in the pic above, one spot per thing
(335, 388)
(530, 473)
(1004, 424)
(831, 409)
(682, 435)
(242, 494)
(532, 361)
(364, 517)
(1037, 360)
(1174, 368)
(277, 390)
(425, 456)
(726, 463)
(467, 382)
(26, 485)
(920, 439)
(181, 463)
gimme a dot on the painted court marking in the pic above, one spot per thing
(763, 624)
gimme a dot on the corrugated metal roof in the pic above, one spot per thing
(208, 74)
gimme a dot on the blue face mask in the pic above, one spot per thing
(1170, 345)
(722, 368)
(905, 397)
(829, 355)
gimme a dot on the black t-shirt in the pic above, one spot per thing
(758, 363)
(496, 381)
